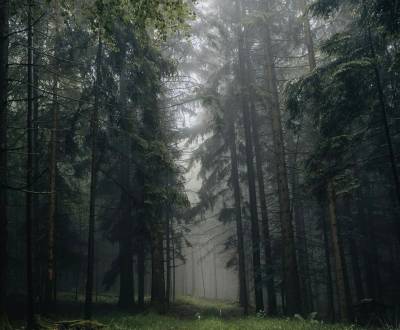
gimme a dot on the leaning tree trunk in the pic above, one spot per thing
(93, 183)
(290, 269)
(255, 231)
(4, 30)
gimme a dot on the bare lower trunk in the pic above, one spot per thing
(269, 267)
(157, 274)
(337, 253)
(29, 172)
(126, 295)
(50, 286)
(141, 271)
(4, 30)
(168, 258)
(243, 299)
(93, 185)
(329, 280)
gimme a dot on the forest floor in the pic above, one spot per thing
(190, 313)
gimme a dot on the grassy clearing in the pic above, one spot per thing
(186, 314)
(202, 314)
(157, 322)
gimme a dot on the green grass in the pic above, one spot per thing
(190, 313)
(187, 314)
(157, 322)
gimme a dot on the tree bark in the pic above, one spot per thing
(4, 30)
(141, 271)
(29, 172)
(337, 253)
(329, 280)
(269, 266)
(231, 136)
(50, 285)
(158, 274)
(126, 293)
(93, 183)
(168, 258)
(354, 251)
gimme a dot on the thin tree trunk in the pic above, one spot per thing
(173, 268)
(255, 231)
(269, 266)
(368, 245)
(52, 199)
(290, 269)
(158, 273)
(93, 183)
(337, 253)
(126, 294)
(141, 270)
(29, 172)
(193, 275)
(243, 298)
(168, 258)
(329, 280)
(354, 253)
(215, 273)
(4, 30)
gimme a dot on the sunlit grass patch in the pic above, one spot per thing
(157, 322)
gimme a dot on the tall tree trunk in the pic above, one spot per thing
(368, 244)
(269, 266)
(50, 285)
(353, 247)
(173, 268)
(255, 231)
(231, 136)
(329, 280)
(297, 204)
(93, 183)
(388, 137)
(193, 274)
(337, 253)
(141, 271)
(168, 257)
(126, 294)
(158, 274)
(214, 255)
(29, 172)
(290, 276)
(4, 31)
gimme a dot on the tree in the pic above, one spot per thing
(4, 31)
